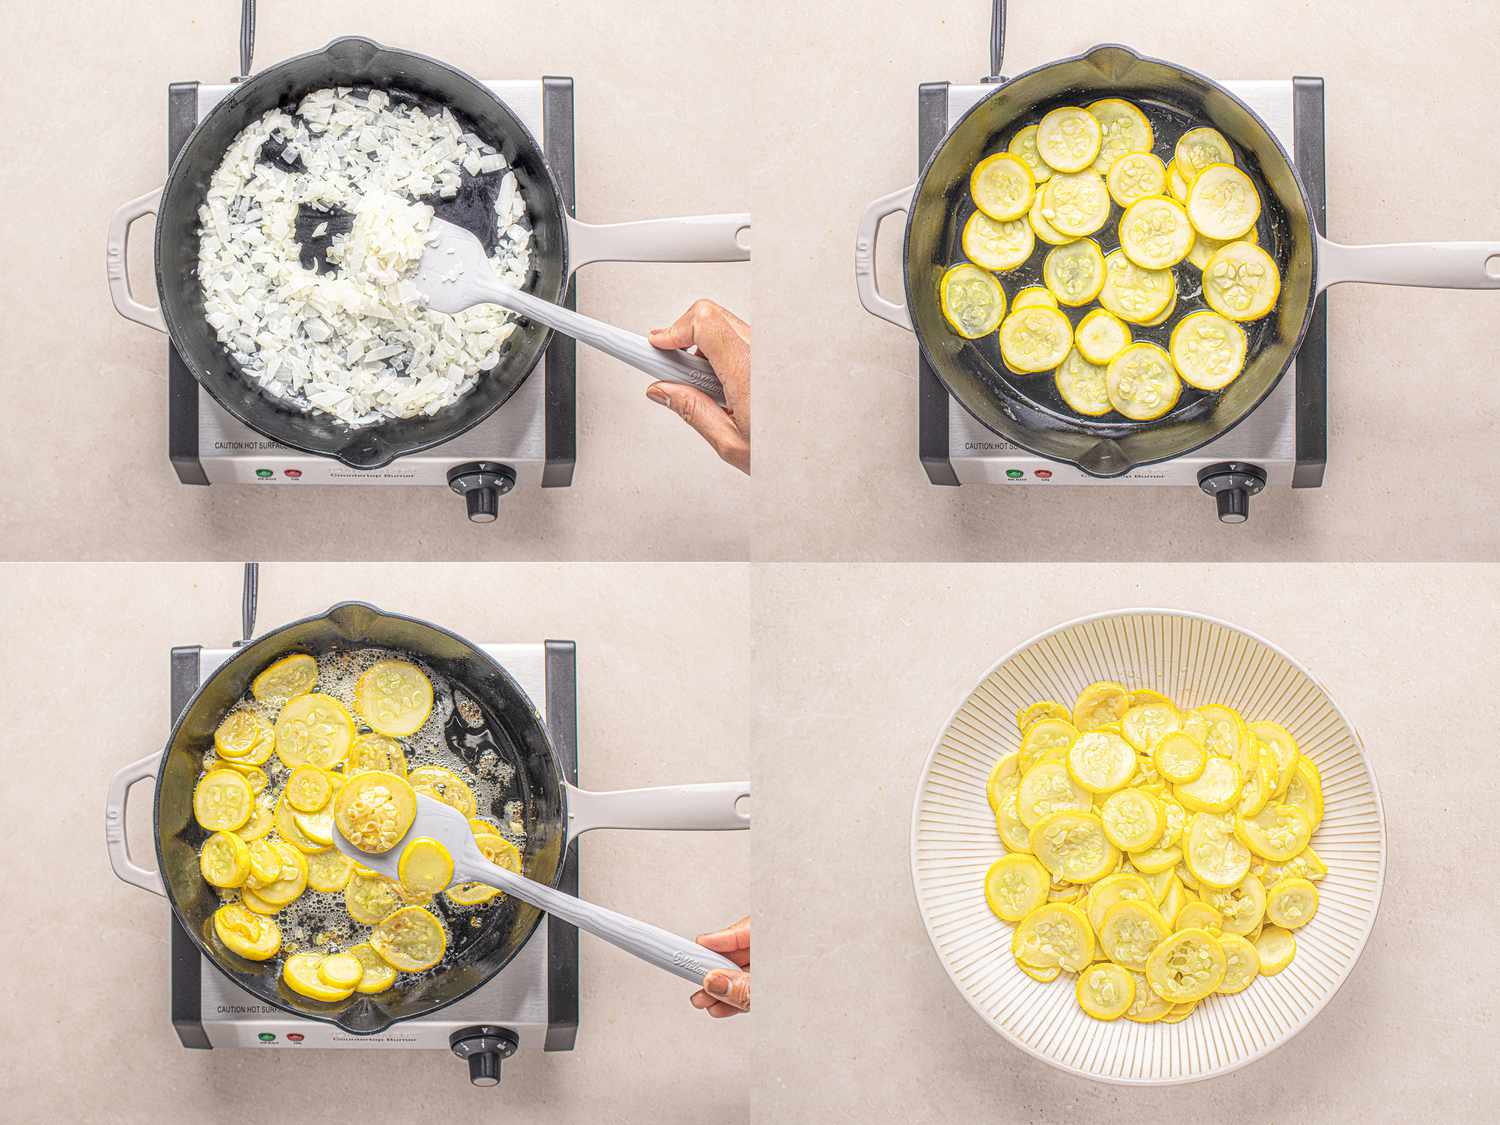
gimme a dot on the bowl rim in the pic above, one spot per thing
(926, 775)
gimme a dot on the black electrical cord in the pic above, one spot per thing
(997, 38)
(247, 36)
(248, 601)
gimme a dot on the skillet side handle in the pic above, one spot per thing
(117, 262)
(712, 807)
(692, 238)
(865, 243)
(114, 826)
(1437, 265)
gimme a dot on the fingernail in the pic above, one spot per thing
(657, 331)
(717, 983)
(656, 394)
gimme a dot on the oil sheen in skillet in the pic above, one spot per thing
(456, 737)
(1168, 122)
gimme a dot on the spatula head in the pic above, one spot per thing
(453, 269)
(436, 821)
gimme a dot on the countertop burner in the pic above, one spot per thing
(530, 1005)
(530, 441)
(1284, 443)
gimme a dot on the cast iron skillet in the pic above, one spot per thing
(507, 723)
(360, 63)
(1026, 409)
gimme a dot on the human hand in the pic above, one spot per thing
(724, 340)
(726, 993)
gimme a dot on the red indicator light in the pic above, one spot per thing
(295, 1036)
(1044, 474)
(293, 473)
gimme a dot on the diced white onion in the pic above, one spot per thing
(357, 343)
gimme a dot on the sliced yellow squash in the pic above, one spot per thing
(972, 300)
(1068, 139)
(1142, 383)
(1035, 339)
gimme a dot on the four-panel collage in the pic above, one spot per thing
(1101, 638)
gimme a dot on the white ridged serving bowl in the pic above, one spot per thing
(1195, 660)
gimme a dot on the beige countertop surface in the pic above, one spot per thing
(857, 670)
(1414, 401)
(660, 132)
(85, 1024)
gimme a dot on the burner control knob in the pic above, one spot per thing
(1231, 484)
(485, 1047)
(484, 1069)
(481, 484)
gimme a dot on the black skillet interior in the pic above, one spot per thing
(410, 77)
(501, 717)
(1027, 408)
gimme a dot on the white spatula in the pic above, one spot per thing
(454, 275)
(449, 827)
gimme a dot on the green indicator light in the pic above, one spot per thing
(1014, 474)
(267, 1036)
(264, 474)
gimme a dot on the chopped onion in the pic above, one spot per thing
(357, 342)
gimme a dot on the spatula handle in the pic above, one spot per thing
(652, 944)
(627, 347)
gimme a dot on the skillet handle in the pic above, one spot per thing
(114, 826)
(864, 258)
(1438, 265)
(652, 944)
(712, 807)
(692, 238)
(117, 263)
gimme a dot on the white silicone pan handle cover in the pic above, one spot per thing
(711, 807)
(691, 238)
(1438, 265)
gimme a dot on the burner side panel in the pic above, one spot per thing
(561, 370)
(182, 388)
(562, 939)
(186, 969)
(932, 396)
(1312, 358)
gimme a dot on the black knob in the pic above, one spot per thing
(1234, 505)
(484, 1069)
(481, 484)
(1231, 484)
(485, 1047)
(483, 504)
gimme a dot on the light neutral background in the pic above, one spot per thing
(1415, 402)
(663, 666)
(662, 114)
(857, 669)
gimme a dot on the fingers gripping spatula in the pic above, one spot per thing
(449, 827)
(455, 274)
